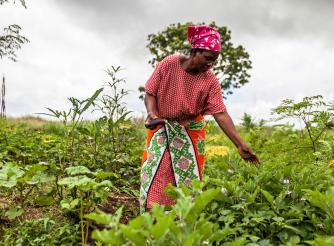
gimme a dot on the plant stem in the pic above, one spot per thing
(82, 223)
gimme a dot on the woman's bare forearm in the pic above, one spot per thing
(226, 124)
(151, 106)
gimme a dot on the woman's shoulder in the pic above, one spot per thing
(173, 57)
(210, 77)
(169, 60)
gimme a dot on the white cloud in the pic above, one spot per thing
(73, 42)
(284, 68)
(62, 60)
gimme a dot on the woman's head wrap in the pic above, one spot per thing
(204, 37)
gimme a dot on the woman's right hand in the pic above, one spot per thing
(152, 120)
(248, 154)
(151, 116)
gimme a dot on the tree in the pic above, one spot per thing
(231, 68)
(247, 121)
(316, 114)
(11, 40)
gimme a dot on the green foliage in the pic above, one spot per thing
(287, 201)
(23, 180)
(247, 121)
(323, 201)
(43, 231)
(86, 192)
(316, 114)
(73, 163)
(281, 202)
(231, 67)
(7, 1)
(72, 121)
(321, 241)
(74, 167)
(11, 40)
(118, 131)
(13, 213)
(184, 224)
(233, 210)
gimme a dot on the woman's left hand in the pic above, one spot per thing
(248, 155)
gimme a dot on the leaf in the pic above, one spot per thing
(265, 242)
(200, 203)
(14, 212)
(69, 204)
(163, 221)
(55, 113)
(106, 219)
(8, 184)
(23, 3)
(322, 240)
(77, 170)
(322, 201)
(78, 181)
(44, 200)
(33, 169)
(293, 241)
(237, 242)
(122, 117)
(9, 175)
(104, 175)
(104, 183)
(193, 238)
(133, 235)
(111, 237)
(295, 230)
(268, 196)
(40, 178)
(100, 218)
(91, 100)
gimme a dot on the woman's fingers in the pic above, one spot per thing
(249, 156)
(153, 123)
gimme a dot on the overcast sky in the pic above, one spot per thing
(72, 42)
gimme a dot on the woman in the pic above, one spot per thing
(179, 92)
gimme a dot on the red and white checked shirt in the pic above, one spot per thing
(183, 95)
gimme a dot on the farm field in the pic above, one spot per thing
(73, 175)
(76, 182)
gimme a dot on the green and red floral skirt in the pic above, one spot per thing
(174, 154)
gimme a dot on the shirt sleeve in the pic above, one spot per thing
(215, 103)
(152, 85)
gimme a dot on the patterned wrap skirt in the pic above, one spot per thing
(174, 154)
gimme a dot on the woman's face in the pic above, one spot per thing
(204, 60)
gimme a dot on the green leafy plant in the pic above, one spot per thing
(184, 224)
(87, 189)
(115, 114)
(316, 114)
(44, 231)
(23, 181)
(72, 119)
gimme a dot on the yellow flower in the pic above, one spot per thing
(213, 138)
(331, 163)
(125, 125)
(46, 139)
(216, 151)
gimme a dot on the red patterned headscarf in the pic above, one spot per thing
(204, 37)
